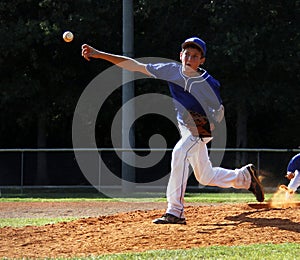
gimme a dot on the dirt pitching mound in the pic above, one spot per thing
(207, 225)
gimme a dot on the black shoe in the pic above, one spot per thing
(255, 186)
(169, 219)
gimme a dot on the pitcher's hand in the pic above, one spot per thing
(88, 52)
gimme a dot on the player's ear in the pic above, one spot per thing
(180, 55)
(202, 60)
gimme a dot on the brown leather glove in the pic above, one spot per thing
(197, 124)
(290, 175)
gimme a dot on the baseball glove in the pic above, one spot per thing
(197, 124)
(290, 175)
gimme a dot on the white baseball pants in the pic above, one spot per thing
(193, 151)
(295, 182)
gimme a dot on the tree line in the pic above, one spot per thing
(253, 50)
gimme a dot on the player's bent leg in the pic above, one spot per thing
(217, 176)
(225, 178)
(201, 163)
(243, 178)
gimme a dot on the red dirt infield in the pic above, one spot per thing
(116, 227)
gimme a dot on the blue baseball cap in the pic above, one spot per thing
(195, 41)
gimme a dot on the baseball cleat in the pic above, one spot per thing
(169, 219)
(255, 186)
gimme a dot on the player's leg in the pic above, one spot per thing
(201, 164)
(225, 178)
(180, 172)
(176, 188)
(178, 181)
(243, 178)
(216, 176)
(295, 182)
(178, 178)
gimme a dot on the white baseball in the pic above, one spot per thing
(68, 36)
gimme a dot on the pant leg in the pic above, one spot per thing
(295, 182)
(201, 164)
(225, 178)
(192, 150)
(179, 175)
(217, 176)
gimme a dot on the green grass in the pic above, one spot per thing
(189, 197)
(268, 251)
(58, 199)
(286, 251)
(92, 195)
(21, 222)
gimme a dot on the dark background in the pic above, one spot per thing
(253, 50)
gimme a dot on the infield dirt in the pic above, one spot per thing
(115, 227)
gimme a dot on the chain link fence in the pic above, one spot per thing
(57, 168)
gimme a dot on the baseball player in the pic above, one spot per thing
(199, 107)
(293, 175)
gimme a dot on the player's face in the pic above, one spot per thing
(191, 58)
